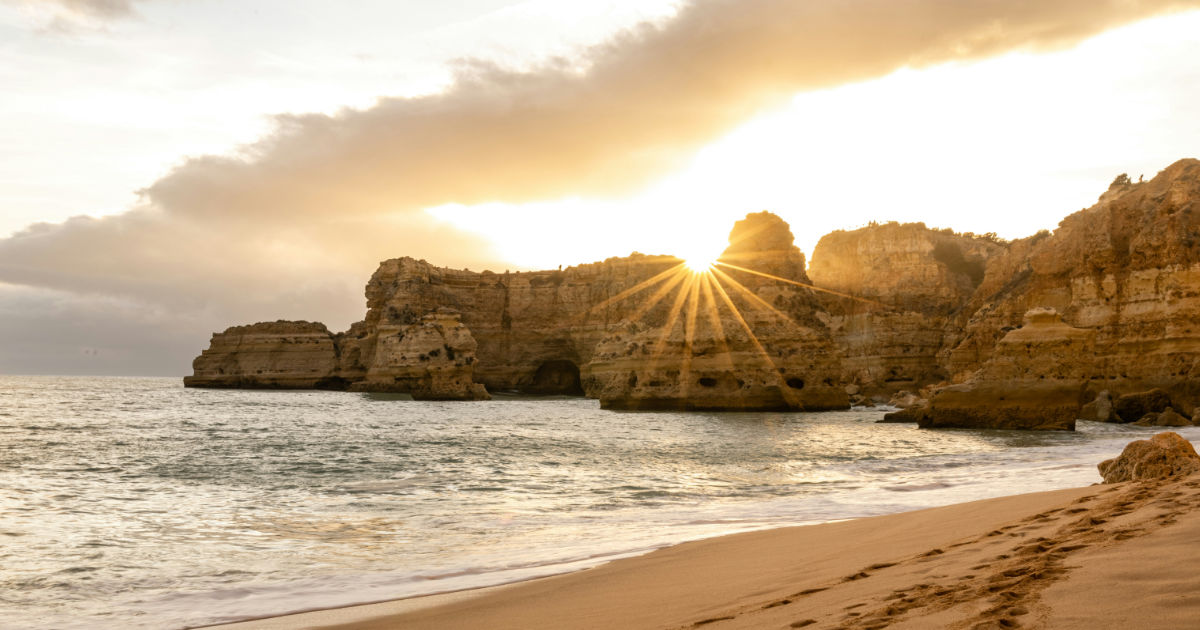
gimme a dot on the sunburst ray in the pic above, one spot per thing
(787, 394)
(672, 317)
(657, 297)
(689, 334)
(800, 284)
(714, 316)
(641, 286)
(754, 297)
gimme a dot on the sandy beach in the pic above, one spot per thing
(1103, 556)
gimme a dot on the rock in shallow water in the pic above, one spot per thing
(1133, 407)
(1168, 418)
(269, 355)
(911, 414)
(1164, 455)
(1100, 409)
(1027, 384)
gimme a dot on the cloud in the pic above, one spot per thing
(106, 9)
(70, 18)
(67, 16)
(309, 209)
(83, 9)
(53, 332)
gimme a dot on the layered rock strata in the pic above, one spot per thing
(638, 332)
(1128, 269)
(432, 359)
(534, 330)
(269, 355)
(746, 335)
(1034, 380)
(897, 307)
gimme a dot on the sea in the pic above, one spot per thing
(137, 503)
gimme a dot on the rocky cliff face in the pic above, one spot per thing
(1035, 379)
(269, 355)
(899, 289)
(746, 335)
(534, 330)
(432, 359)
(1026, 330)
(1127, 269)
(636, 332)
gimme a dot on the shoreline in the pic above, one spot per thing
(1034, 560)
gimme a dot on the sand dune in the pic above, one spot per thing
(1114, 556)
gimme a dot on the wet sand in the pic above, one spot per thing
(1116, 556)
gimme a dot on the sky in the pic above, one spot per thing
(171, 168)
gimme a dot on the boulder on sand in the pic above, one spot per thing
(1164, 455)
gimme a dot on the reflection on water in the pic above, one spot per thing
(128, 503)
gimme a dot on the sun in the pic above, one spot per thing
(700, 261)
(699, 265)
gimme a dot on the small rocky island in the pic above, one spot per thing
(1099, 319)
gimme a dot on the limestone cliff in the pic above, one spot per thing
(1128, 269)
(746, 335)
(1026, 330)
(898, 289)
(432, 359)
(1035, 379)
(269, 355)
(750, 333)
(534, 330)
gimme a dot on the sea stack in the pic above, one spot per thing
(744, 335)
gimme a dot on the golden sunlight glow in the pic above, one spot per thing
(700, 264)
(800, 159)
(699, 255)
(698, 289)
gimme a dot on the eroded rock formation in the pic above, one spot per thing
(1134, 406)
(1128, 268)
(899, 288)
(269, 355)
(1164, 455)
(534, 330)
(1024, 331)
(1100, 409)
(746, 335)
(1035, 379)
(432, 359)
(636, 332)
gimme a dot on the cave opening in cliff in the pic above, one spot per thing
(556, 377)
